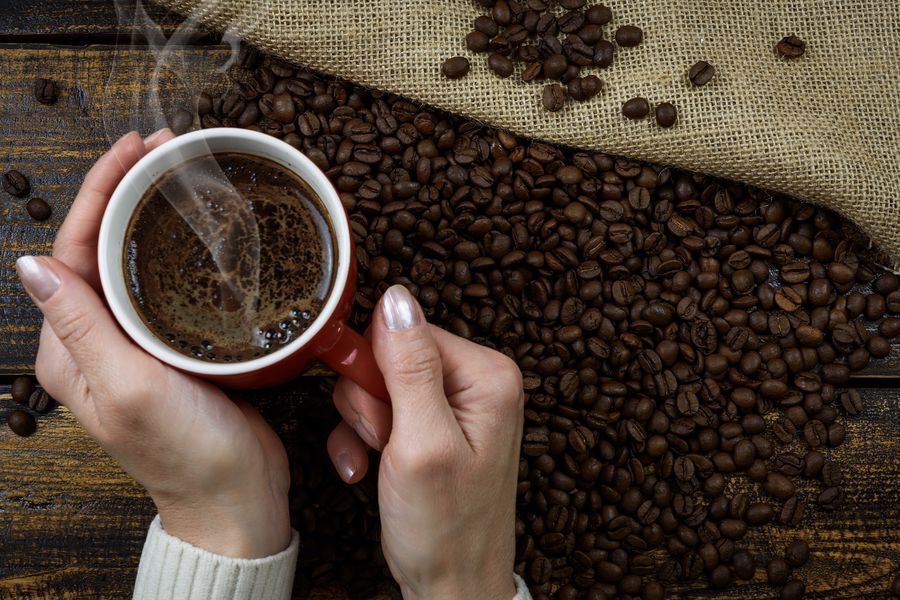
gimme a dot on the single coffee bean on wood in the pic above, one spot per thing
(21, 389)
(45, 90)
(38, 209)
(797, 553)
(16, 184)
(21, 423)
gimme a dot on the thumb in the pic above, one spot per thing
(409, 358)
(76, 315)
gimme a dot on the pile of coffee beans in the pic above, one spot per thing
(552, 44)
(34, 399)
(681, 337)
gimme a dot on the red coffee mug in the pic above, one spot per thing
(328, 338)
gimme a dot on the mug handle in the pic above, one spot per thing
(353, 358)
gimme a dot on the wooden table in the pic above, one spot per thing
(72, 523)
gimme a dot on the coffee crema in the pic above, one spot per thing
(229, 257)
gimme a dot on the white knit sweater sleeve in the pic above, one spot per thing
(522, 592)
(172, 569)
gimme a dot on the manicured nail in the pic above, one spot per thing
(156, 135)
(400, 309)
(38, 278)
(345, 466)
(364, 430)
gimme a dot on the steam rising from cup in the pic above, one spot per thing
(220, 216)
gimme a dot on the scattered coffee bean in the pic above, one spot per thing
(21, 389)
(794, 589)
(666, 114)
(629, 36)
(456, 67)
(16, 184)
(797, 553)
(40, 401)
(701, 73)
(21, 423)
(778, 571)
(790, 47)
(554, 97)
(636, 108)
(500, 65)
(45, 90)
(38, 209)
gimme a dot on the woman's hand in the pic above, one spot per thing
(450, 438)
(216, 471)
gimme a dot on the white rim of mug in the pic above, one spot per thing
(127, 195)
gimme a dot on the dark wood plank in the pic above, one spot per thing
(106, 94)
(72, 524)
(78, 20)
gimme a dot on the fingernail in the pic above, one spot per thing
(400, 309)
(38, 278)
(345, 466)
(364, 430)
(156, 135)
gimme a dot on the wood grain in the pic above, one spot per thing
(76, 20)
(72, 523)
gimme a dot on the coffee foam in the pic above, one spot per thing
(231, 257)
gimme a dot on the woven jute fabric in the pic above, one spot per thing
(825, 127)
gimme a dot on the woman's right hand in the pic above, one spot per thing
(450, 442)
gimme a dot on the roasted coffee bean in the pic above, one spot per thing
(21, 423)
(45, 90)
(794, 589)
(778, 571)
(701, 73)
(636, 108)
(666, 114)
(779, 486)
(21, 389)
(628, 36)
(500, 65)
(477, 41)
(760, 513)
(456, 67)
(554, 97)
(797, 553)
(38, 209)
(790, 47)
(16, 184)
(660, 319)
(815, 433)
(40, 401)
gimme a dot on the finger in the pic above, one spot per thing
(411, 363)
(79, 319)
(349, 454)
(367, 415)
(155, 140)
(76, 242)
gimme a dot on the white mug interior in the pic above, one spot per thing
(145, 173)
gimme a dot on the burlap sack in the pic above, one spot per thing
(825, 128)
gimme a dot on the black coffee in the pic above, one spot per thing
(229, 257)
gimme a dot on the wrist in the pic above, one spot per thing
(227, 527)
(501, 587)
